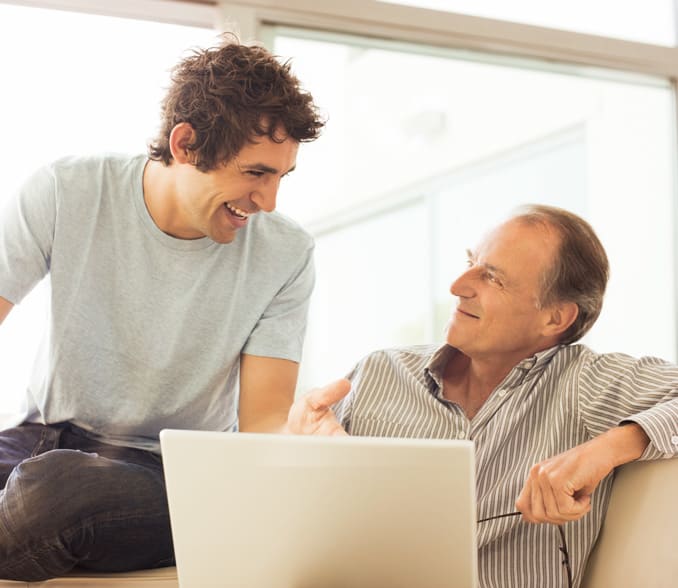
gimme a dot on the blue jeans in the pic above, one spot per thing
(70, 501)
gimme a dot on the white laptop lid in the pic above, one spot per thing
(277, 511)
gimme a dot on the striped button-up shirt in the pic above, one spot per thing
(547, 404)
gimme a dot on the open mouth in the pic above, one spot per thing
(236, 212)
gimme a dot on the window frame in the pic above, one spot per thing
(455, 31)
(166, 11)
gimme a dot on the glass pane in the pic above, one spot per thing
(553, 168)
(469, 141)
(649, 21)
(70, 86)
(368, 292)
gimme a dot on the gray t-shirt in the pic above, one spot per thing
(145, 330)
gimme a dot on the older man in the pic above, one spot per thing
(511, 379)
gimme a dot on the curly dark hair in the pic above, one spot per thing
(231, 94)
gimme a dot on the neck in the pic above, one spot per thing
(470, 381)
(481, 375)
(158, 196)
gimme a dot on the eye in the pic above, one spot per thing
(493, 279)
(254, 172)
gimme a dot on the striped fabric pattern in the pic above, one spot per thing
(547, 404)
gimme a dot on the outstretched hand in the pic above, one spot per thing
(311, 414)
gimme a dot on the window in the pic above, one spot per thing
(73, 83)
(425, 148)
(650, 21)
(419, 160)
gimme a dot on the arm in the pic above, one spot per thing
(5, 307)
(268, 382)
(27, 226)
(559, 489)
(611, 390)
(267, 388)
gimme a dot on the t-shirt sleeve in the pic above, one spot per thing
(280, 331)
(27, 224)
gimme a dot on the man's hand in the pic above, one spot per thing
(312, 415)
(559, 489)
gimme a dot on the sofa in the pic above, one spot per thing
(637, 546)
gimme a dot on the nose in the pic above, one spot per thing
(266, 195)
(463, 285)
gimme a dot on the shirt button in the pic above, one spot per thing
(502, 393)
(461, 435)
(674, 439)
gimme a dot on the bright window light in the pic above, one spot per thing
(649, 21)
(419, 161)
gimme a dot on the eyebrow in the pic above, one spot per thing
(262, 167)
(493, 268)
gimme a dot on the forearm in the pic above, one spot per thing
(660, 422)
(621, 444)
(270, 423)
(266, 393)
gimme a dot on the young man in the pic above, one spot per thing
(510, 378)
(175, 302)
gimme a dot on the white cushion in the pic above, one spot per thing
(638, 542)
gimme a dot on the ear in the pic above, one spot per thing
(181, 137)
(560, 318)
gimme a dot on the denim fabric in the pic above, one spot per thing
(69, 501)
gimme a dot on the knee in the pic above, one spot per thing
(43, 487)
(62, 487)
(74, 507)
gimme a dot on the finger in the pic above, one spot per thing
(553, 507)
(524, 502)
(537, 511)
(581, 504)
(323, 398)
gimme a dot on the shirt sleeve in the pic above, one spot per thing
(27, 224)
(280, 331)
(616, 388)
(343, 409)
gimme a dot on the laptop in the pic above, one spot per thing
(282, 511)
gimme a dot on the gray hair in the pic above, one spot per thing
(580, 270)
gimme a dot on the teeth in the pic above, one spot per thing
(237, 210)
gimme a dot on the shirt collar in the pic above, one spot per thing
(433, 371)
(526, 369)
(530, 367)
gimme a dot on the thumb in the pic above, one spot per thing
(322, 398)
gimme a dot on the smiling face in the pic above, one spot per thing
(497, 316)
(218, 202)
